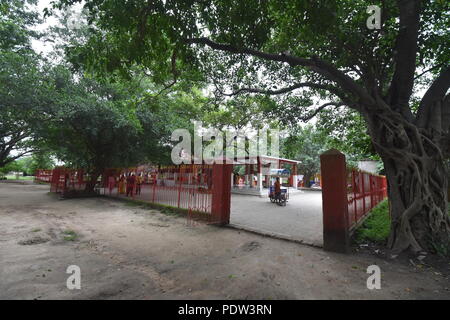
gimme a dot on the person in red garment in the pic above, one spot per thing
(277, 188)
(139, 180)
(131, 180)
(111, 183)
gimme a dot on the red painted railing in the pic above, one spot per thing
(347, 197)
(64, 180)
(364, 191)
(42, 175)
(200, 189)
(186, 187)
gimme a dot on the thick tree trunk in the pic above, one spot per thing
(307, 179)
(418, 194)
(417, 183)
(90, 185)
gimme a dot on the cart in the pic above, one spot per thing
(283, 198)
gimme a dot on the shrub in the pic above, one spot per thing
(377, 226)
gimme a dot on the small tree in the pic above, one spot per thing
(94, 125)
(38, 160)
(13, 166)
(19, 80)
(89, 124)
(305, 145)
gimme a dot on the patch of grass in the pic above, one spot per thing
(33, 241)
(70, 235)
(20, 178)
(442, 249)
(377, 226)
(164, 209)
(132, 203)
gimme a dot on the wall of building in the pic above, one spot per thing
(368, 166)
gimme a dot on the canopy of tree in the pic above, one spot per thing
(83, 121)
(19, 74)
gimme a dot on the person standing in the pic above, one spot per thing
(122, 184)
(111, 183)
(277, 188)
(131, 180)
(139, 180)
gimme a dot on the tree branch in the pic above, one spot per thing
(315, 64)
(5, 161)
(283, 90)
(405, 58)
(435, 93)
(323, 106)
(446, 116)
(430, 69)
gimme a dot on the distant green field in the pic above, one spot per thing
(20, 178)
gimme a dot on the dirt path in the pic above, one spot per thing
(126, 252)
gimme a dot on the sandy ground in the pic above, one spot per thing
(127, 252)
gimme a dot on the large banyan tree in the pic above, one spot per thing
(304, 56)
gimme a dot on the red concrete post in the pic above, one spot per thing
(221, 193)
(178, 180)
(371, 190)
(363, 182)
(355, 191)
(334, 199)
(80, 178)
(54, 181)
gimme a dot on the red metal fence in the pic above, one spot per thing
(347, 197)
(64, 180)
(199, 189)
(202, 190)
(43, 175)
(187, 187)
(364, 191)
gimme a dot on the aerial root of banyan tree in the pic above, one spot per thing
(417, 183)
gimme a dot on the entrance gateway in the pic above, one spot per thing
(252, 175)
(204, 191)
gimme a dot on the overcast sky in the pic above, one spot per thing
(38, 45)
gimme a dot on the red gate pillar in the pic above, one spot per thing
(334, 201)
(221, 193)
(54, 180)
